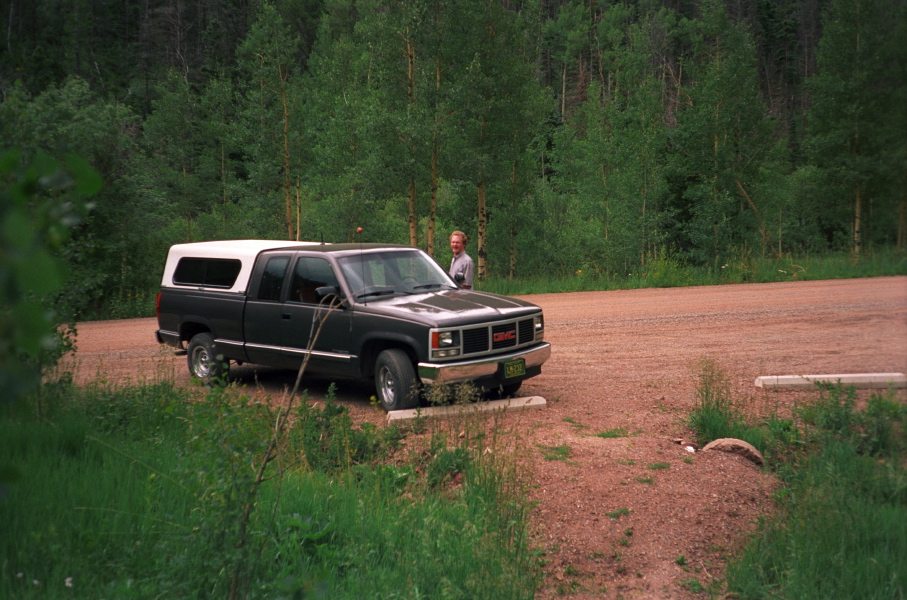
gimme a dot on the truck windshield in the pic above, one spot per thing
(391, 273)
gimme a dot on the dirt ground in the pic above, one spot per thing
(636, 516)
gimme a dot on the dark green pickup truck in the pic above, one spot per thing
(380, 312)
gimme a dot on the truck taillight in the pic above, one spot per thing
(157, 306)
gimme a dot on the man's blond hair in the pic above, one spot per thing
(462, 235)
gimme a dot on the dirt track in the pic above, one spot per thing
(627, 359)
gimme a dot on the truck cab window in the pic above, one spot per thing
(310, 274)
(272, 278)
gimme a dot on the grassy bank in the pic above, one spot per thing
(840, 529)
(666, 272)
(144, 492)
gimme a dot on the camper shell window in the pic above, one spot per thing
(207, 272)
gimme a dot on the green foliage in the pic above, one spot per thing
(872, 431)
(635, 143)
(844, 503)
(332, 444)
(446, 462)
(858, 115)
(141, 491)
(715, 414)
(40, 201)
(844, 500)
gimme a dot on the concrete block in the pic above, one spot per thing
(465, 409)
(856, 380)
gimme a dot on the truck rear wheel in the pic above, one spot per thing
(395, 381)
(204, 362)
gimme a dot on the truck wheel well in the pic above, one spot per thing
(190, 330)
(373, 348)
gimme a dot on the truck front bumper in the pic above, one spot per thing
(486, 369)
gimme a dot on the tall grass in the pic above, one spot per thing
(139, 493)
(745, 267)
(840, 530)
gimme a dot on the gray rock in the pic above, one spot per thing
(735, 446)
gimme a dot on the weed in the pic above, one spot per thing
(619, 432)
(555, 452)
(659, 466)
(620, 512)
(715, 415)
(573, 422)
(693, 585)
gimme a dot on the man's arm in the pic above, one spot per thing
(469, 272)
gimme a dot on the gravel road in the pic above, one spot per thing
(627, 360)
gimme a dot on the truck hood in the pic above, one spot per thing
(452, 307)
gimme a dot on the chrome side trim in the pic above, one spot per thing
(301, 352)
(321, 353)
(484, 367)
(222, 342)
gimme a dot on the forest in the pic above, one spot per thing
(561, 135)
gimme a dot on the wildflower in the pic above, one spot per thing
(36, 582)
(69, 582)
(20, 575)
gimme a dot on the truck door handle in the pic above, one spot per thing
(285, 316)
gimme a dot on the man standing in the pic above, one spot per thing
(461, 266)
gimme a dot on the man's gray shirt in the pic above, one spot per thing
(462, 264)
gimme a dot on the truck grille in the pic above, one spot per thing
(498, 336)
(475, 340)
(526, 331)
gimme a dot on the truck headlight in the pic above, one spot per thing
(443, 339)
(445, 344)
(538, 323)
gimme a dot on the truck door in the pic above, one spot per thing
(304, 311)
(263, 323)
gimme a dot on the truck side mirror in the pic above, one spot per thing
(327, 290)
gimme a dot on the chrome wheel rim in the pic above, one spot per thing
(201, 363)
(386, 385)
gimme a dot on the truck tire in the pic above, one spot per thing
(204, 363)
(395, 381)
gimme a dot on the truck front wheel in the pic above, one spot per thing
(395, 381)
(204, 362)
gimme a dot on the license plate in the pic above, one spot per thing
(515, 368)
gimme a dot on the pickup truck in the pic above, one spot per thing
(378, 312)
